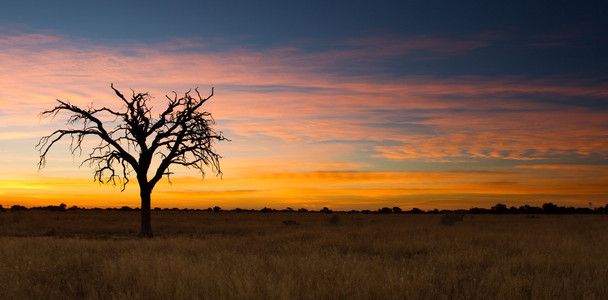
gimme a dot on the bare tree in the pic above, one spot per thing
(131, 139)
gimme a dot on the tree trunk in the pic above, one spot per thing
(146, 222)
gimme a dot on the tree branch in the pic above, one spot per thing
(181, 135)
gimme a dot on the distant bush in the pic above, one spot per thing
(385, 210)
(550, 208)
(290, 223)
(266, 210)
(18, 208)
(451, 218)
(334, 220)
(499, 208)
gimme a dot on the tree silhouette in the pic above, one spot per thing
(182, 134)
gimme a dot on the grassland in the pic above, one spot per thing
(252, 255)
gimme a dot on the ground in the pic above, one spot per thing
(293, 255)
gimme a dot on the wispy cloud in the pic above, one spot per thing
(284, 109)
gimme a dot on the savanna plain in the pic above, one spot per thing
(301, 255)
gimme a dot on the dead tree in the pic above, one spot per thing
(132, 140)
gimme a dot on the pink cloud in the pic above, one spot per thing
(282, 106)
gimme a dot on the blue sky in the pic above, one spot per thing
(530, 38)
(518, 33)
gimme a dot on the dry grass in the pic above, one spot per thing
(204, 255)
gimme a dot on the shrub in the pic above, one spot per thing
(451, 218)
(18, 208)
(290, 223)
(499, 208)
(385, 210)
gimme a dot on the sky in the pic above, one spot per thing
(338, 104)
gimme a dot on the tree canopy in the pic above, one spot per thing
(133, 139)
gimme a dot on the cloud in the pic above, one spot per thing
(288, 108)
(279, 93)
(598, 168)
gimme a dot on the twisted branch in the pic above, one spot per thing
(181, 135)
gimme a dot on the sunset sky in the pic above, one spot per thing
(339, 104)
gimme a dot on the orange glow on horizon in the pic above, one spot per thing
(338, 190)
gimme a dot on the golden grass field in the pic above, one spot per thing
(253, 255)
